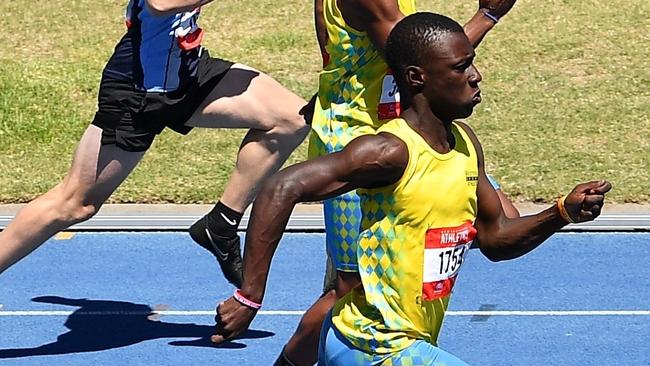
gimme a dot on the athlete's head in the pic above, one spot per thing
(431, 56)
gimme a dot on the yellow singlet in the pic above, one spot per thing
(355, 92)
(355, 96)
(414, 237)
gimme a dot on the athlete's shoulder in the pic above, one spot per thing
(469, 132)
(383, 153)
(473, 139)
(465, 127)
(383, 145)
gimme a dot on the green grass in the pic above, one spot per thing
(565, 87)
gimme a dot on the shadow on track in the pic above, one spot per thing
(100, 325)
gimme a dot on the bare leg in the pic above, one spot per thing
(246, 98)
(302, 347)
(95, 173)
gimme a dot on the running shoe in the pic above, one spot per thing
(226, 250)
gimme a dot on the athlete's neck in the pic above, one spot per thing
(434, 130)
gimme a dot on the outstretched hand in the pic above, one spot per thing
(498, 8)
(232, 319)
(586, 200)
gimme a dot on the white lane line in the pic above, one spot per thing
(550, 313)
(301, 312)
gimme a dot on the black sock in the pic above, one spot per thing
(223, 220)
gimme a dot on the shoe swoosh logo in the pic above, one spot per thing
(223, 256)
(230, 221)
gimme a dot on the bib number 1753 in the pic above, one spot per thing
(444, 252)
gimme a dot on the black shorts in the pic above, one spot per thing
(130, 118)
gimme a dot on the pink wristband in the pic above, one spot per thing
(244, 301)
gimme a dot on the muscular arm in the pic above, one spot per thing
(368, 161)
(167, 7)
(503, 238)
(477, 27)
(509, 208)
(378, 17)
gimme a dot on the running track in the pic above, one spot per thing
(580, 299)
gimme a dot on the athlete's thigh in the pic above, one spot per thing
(246, 98)
(98, 169)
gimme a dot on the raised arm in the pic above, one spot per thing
(366, 162)
(378, 17)
(168, 7)
(488, 14)
(502, 238)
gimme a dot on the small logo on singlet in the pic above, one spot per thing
(471, 176)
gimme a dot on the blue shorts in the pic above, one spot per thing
(342, 220)
(335, 350)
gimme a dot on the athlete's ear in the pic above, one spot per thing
(414, 77)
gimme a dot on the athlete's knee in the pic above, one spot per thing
(81, 212)
(70, 206)
(289, 121)
(75, 210)
(345, 282)
(292, 127)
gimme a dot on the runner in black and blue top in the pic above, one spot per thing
(159, 53)
(160, 76)
(155, 70)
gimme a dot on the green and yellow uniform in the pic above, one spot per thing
(356, 95)
(414, 236)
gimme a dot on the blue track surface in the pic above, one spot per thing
(110, 281)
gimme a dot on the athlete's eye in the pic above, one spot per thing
(463, 65)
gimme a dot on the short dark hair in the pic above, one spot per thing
(412, 36)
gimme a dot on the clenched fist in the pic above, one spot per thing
(497, 8)
(586, 200)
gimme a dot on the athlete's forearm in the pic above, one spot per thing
(368, 161)
(477, 27)
(167, 7)
(512, 238)
(269, 217)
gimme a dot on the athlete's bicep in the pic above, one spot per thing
(366, 162)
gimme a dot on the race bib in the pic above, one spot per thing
(389, 106)
(444, 253)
